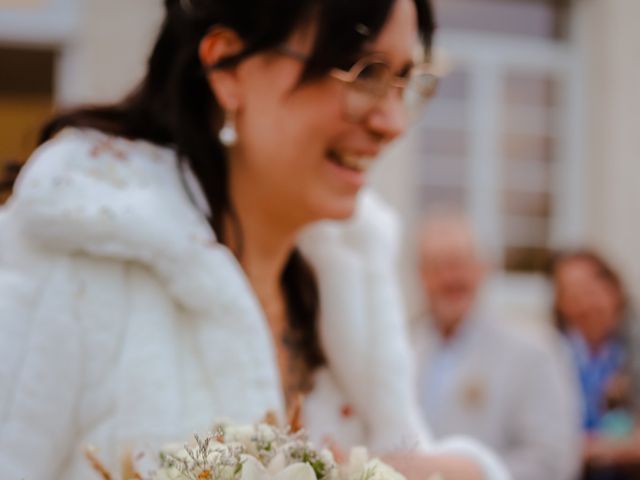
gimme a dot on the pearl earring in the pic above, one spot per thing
(228, 134)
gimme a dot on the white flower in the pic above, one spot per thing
(360, 467)
(263, 452)
(247, 434)
(252, 469)
(297, 471)
(358, 458)
(377, 470)
(207, 459)
(277, 464)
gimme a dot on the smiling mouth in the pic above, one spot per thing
(356, 163)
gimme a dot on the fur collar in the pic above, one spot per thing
(112, 198)
(87, 192)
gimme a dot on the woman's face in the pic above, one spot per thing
(297, 150)
(589, 303)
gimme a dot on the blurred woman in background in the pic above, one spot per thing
(601, 333)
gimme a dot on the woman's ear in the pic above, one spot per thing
(218, 44)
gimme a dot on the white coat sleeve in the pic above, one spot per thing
(388, 397)
(39, 373)
(491, 466)
(546, 430)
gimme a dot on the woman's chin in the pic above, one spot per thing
(338, 209)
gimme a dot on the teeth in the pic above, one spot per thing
(354, 162)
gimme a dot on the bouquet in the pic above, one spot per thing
(256, 452)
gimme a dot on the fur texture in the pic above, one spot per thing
(123, 321)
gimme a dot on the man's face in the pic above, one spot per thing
(451, 275)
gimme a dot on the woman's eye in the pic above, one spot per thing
(405, 73)
(374, 72)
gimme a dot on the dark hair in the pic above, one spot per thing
(174, 105)
(602, 269)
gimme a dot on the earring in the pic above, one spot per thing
(228, 134)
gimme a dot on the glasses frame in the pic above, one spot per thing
(350, 77)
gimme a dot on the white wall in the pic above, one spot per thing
(105, 56)
(612, 40)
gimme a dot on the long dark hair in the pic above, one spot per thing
(174, 105)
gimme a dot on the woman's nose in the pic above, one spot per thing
(390, 117)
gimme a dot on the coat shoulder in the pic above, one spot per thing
(91, 192)
(102, 160)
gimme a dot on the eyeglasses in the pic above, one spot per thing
(370, 80)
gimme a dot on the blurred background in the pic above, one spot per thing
(535, 131)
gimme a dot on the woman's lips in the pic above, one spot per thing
(351, 161)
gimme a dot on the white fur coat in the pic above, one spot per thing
(123, 321)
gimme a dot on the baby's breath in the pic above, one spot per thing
(207, 460)
(227, 450)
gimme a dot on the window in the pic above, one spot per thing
(524, 18)
(494, 140)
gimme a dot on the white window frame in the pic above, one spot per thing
(487, 58)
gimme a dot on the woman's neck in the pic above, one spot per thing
(261, 252)
(262, 236)
(262, 243)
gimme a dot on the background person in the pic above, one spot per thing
(601, 335)
(480, 377)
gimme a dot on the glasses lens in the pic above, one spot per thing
(421, 87)
(373, 77)
(369, 85)
(372, 81)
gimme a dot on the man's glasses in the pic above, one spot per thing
(370, 80)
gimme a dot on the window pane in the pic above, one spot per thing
(529, 137)
(528, 148)
(536, 204)
(435, 196)
(541, 19)
(442, 143)
(454, 86)
(530, 88)
(526, 176)
(527, 259)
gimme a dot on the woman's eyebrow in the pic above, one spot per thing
(408, 65)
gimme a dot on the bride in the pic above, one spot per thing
(159, 266)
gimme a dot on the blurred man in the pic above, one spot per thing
(479, 377)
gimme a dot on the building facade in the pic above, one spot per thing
(535, 132)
